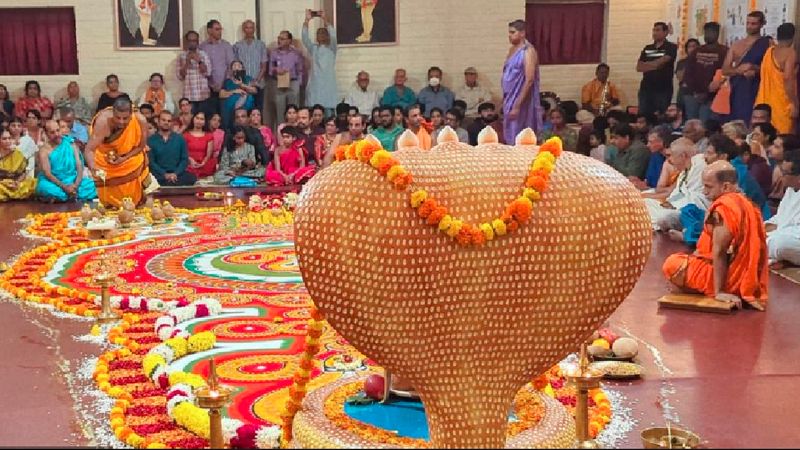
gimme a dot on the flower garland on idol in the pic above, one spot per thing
(516, 213)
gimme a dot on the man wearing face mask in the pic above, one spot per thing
(434, 95)
(487, 118)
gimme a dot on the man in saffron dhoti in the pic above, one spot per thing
(116, 154)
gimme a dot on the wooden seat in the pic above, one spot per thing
(695, 302)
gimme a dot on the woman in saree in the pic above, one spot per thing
(61, 176)
(237, 92)
(15, 183)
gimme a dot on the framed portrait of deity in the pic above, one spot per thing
(362, 23)
(148, 24)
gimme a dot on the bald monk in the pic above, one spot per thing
(730, 263)
(117, 148)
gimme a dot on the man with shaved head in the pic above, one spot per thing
(730, 263)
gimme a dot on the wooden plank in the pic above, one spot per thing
(694, 302)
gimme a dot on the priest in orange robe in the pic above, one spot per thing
(731, 262)
(116, 154)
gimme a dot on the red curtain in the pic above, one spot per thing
(38, 41)
(566, 33)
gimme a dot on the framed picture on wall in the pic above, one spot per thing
(365, 22)
(148, 24)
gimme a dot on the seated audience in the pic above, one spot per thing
(33, 99)
(169, 158)
(437, 121)
(398, 94)
(414, 119)
(290, 117)
(24, 144)
(599, 92)
(342, 116)
(487, 117)
(33, 127)
(252, 137)
(762, 113)
(306, 135)
(238, 91)
(61, 175)
(238, 159)
(317, 119)
(200, 147)
(257, 123)
(782, 145)
(657, 142)
(374, 119)
(696, 132)
(108, 98)
(597, 144)
(183, 119)
(355, 133)
(289, 164)
(452, 119)
(388, 131)
(399, 116)
(73, 100)
(761, 138)
(324, 142)
(146, 109)
(157, 95)
(215, 127)
(730, 263)
(665, 209)
(472, 93)
(642, 125)
(736, 130)
(434, 95)
(632, 156)
(569, 137)
(360, 95)
(783, 229)
(721, 148)
(759, 169)
(674, 118)
(77, 130)
(6, 105)
(15, 181)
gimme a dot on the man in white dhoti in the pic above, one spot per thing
(665, 211)
(783, 232)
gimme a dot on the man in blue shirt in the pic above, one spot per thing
(434, 95)
(78, 131)
(398, 94)
(168, 155)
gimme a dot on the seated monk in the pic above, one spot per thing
(61, 176)
(115, 154)
(730, 263)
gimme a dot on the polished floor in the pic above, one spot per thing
(732, 379)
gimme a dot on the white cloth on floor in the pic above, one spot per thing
(688, 190)
(783, 243)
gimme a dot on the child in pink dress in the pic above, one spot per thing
(289, 166)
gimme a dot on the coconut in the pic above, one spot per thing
(625, 347)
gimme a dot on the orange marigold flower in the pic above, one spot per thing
(537, 183)
(436, 216)
(513, 225)
(386, 166)
(464, 236)
(540, 382)
(478, 238)
(540, 172)
(340, 152)
(521, 209)
(402, 181)
(552, 145)
(427, 207)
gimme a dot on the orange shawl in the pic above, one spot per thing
(772, 91)
(126, 179)
(747, 271)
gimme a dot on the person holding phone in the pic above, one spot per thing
(322, 80)
(193, 66)
(238, 91)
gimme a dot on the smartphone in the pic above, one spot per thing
(749, 139)
(316, 13)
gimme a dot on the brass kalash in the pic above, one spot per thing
(214, 397)
(584, 378)
(105, 279)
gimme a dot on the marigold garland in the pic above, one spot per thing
(516, 213)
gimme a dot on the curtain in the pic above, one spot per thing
(566, 33)
(38, 41)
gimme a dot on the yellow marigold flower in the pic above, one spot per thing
(532, 194)
(202, 341)
(548, 156)
(499, 227)
(487, 231)
(178, 345)
(445, 223)
(395, 171)
(379, 157)
(417, 197)
(454, 228)
(543, 163)
(150, 362)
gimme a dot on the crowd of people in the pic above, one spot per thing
(735, 112)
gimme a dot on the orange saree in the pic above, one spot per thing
(127, 179)
(747, 255)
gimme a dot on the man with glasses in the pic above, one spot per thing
(285, 75)
(194, 66)
(361, 96)
(220, 52)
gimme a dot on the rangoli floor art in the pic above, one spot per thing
(207, 284)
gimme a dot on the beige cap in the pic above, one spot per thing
(470, 69)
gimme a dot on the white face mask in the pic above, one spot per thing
(434, 82)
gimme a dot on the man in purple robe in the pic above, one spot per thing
(521, 106)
